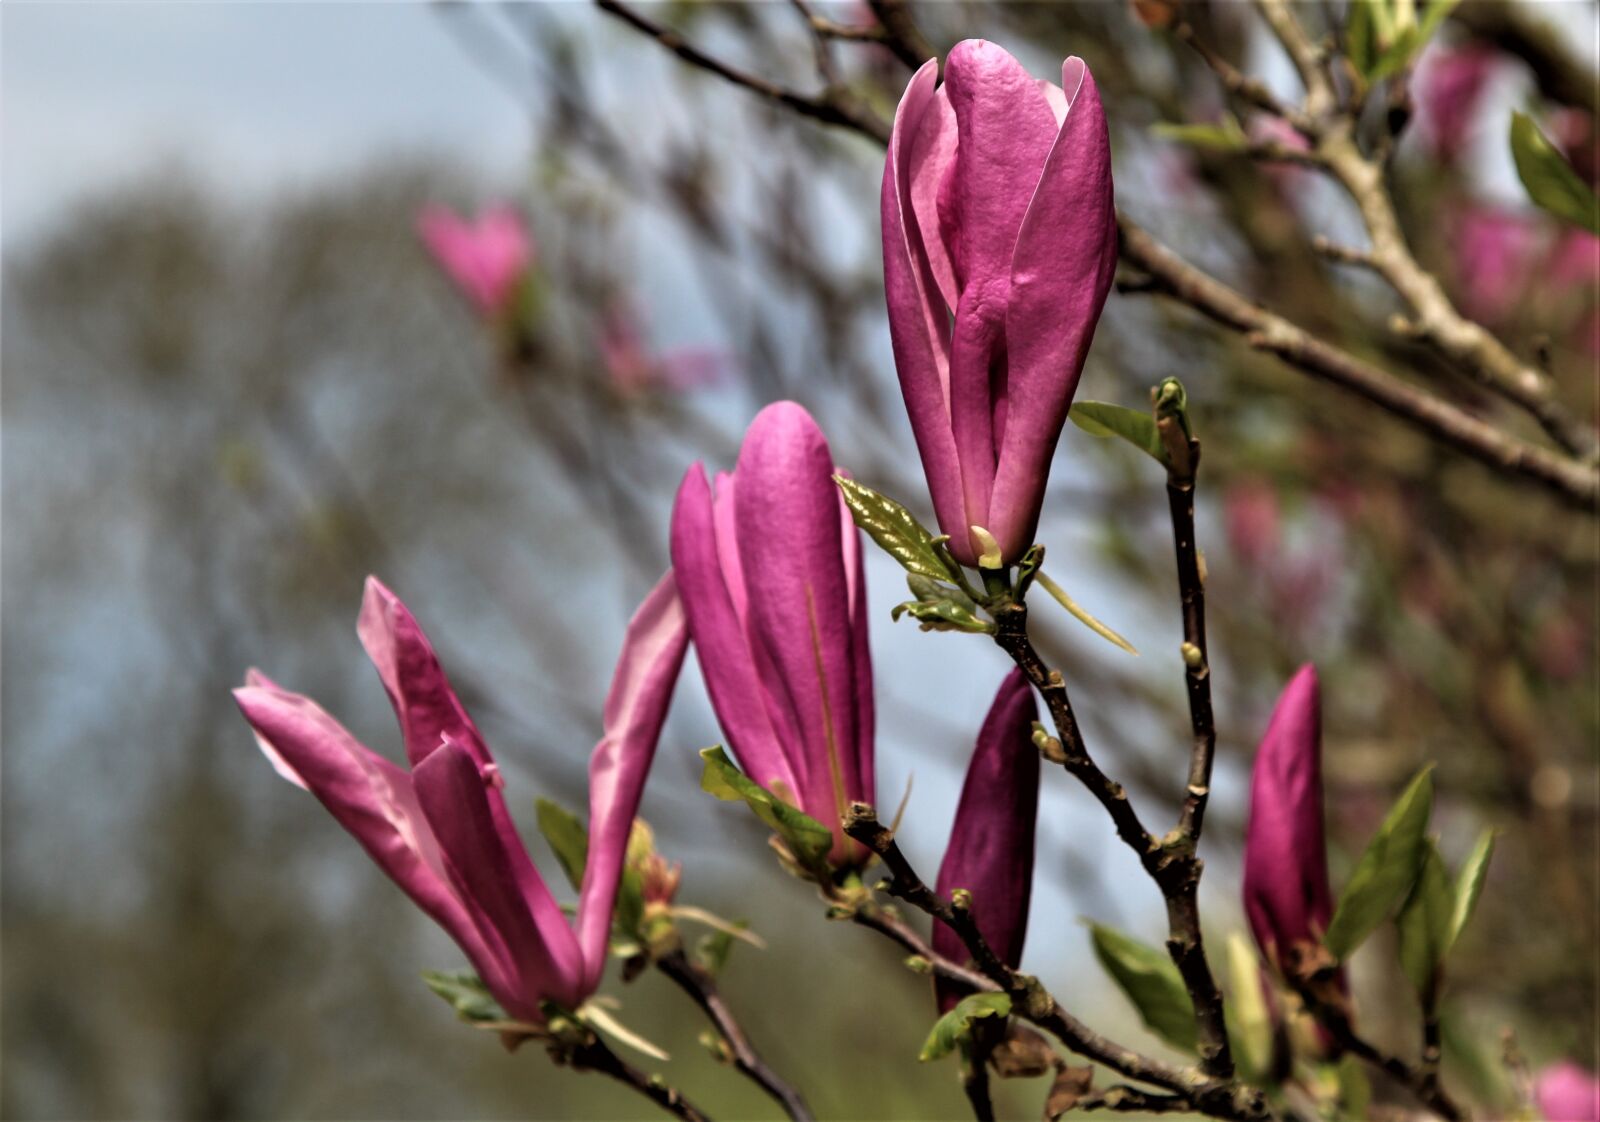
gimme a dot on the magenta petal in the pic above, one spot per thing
(1286, 893)
(536, 939)
(720, 641)
(1061, 272)
(636, 708)
(430, 713)
(787, 514)
(991, 844)
(861, 785)
(1565, 1092)
(373, 800)
(919, 326)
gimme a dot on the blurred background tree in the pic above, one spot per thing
(222, 409)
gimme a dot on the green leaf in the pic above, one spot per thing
(567, 837)
(1550, 180)
(1224, 137)
(942, 615)
(1098, 418)
(1082, 615)
(1249, 1020)
(1386, 871)
(1355, 1091)
(465, 992)
(950, 1029)
(1151, 981)
(892, 526)
(808, 839)
(1424, 924)
(715, 949)
(1361, 35)
(1469, 884)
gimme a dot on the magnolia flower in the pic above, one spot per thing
(1566, 1092)
(1449, 88)
(442, 831)
(1286, 895)
(486, 258)
(997, 211)
(1495, 251)
(632, 366)
(991, 844)
(771, 575)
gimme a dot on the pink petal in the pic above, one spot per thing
(991, 844)
(636, 708)
(373, 800)
(705, 562)
(919, 325)
(862, 783)
(453, 795)
(1061, 272)
(788, 522)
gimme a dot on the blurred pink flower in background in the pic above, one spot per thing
(1448, 88)
(1296, 583)
(1494, 250)
(1574, 131)
(1267, 129)
(486, 257)
(633, 367)
(1565, 1092)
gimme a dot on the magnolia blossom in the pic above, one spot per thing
(633, 366)
(1566, 1092)
(1286, 895)
(999, 242)
(1449, 87)
(487, 258)
(442, 831)
(770, 570)
(991, 844)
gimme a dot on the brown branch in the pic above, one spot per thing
(1464, 343)
(1561, 72)
(1131, 1100)
(595, 1055)
(1236, 81)
(1031, 1001)
(1167, 273)
(834, 106)
(901, 33)
(702, 989)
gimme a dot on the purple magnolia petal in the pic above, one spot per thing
(707, 583)
(1066, 253)
(452, 792)
(787, 516)
(430, 714)
(1286, 894)
(991, 844)
(374, 801)
(636, 708)
(861, 785)
(919, 327)
(933, 154)
(1007, 129)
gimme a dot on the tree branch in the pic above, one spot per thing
(595, 1055)
(702, 989)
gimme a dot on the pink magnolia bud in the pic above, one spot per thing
(1286, 895)
(1566, 1092)
(771, 574)
(999, 242)
(487, 258)
(991, 844)
(1449, 87)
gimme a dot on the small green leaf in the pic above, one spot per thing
(808, 839)
(465, 992)
(1249, 1020)
(1550, 180)
(1151, 981)
(1424, 924)
(1469, 884)
(942, 615)
(1386, 871)
(894, 528)
(1361, 36)
(567, 837)
(1082, 615)
(952, 1028)
(1098, 418)
(1355, 1091)
(1224, 137)
(716, 947)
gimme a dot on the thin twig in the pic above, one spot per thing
(702, 989)
(835, 105)
(595, 1055)
(1031, 1001)
(1166, 273)
(901, 33)
(1236, 81)
(1131, 1100)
